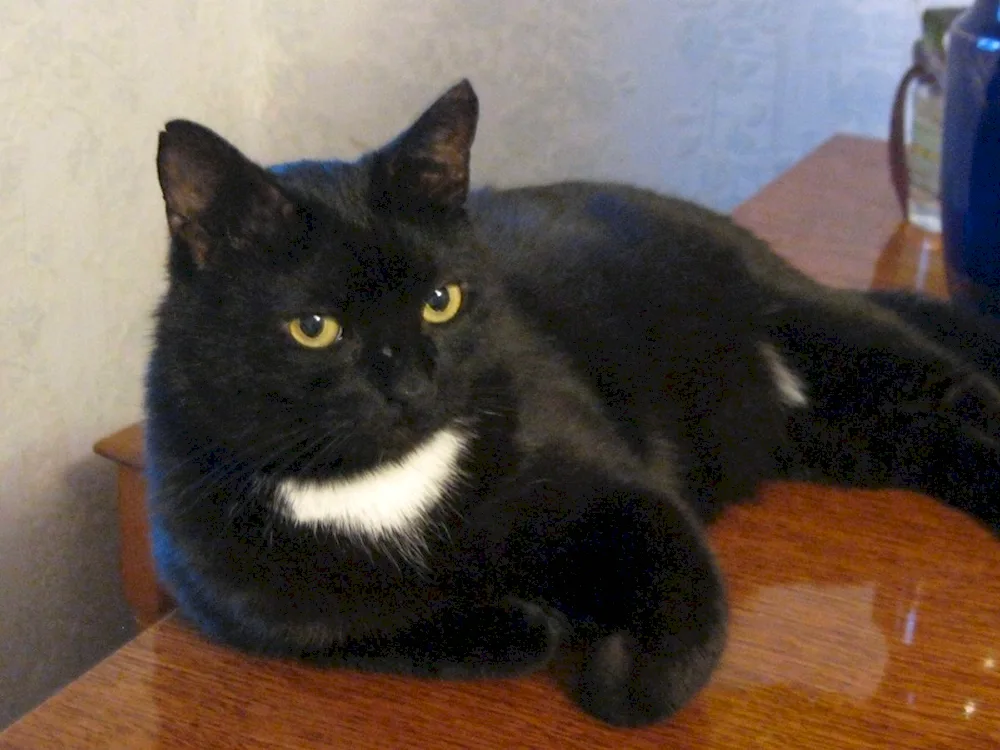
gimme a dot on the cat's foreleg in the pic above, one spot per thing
(643, 599)
(450, 640)
(456, 641)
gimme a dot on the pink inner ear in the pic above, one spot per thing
(175, 222)
(216, 198)
(429, 163)
(446, 186)
(192, 235)
(188, 187)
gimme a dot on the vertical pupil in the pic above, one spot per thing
(438, 300)
(311, 325)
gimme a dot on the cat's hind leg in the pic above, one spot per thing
(887, 406)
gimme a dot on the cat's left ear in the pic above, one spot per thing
(215, 197)
(425, 171)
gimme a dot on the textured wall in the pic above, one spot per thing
(708, 98)
(730, 92)
(84, 87)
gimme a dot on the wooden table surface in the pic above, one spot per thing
(859, 619)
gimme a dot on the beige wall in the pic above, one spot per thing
(703, 97)
(84, 88)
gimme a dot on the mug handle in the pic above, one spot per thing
(897, 140)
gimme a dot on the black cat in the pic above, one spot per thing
(397, 426)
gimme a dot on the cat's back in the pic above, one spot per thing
(613, 260)
(574, 222)
(565, 231)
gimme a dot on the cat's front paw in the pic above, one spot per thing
(627, 683)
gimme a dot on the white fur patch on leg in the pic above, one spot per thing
(790, 386)
(389, 502)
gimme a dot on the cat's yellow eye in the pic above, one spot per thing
(443, 304)
(315, 331)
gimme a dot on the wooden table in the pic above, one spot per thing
(859, 619)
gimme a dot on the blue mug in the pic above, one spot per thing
(970, 159)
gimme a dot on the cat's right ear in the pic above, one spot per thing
(425, 171)
(214, 195)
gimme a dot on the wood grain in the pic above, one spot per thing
(859, 619)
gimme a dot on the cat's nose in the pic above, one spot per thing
(404, 375)
(412, 386)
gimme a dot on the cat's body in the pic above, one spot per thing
(475, 492)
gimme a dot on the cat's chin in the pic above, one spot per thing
(367, 452)
(398, 440)
(388, 500)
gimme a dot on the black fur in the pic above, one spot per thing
(613, 361)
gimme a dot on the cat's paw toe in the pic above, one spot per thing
(621, 684)
(537, 632)
(965, 395)
(975, 399)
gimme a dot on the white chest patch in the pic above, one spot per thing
(787, 382)
(387, 502)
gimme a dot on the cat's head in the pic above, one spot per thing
(324, 315)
